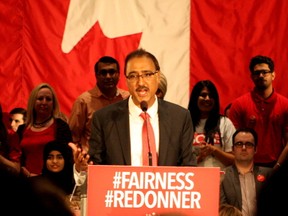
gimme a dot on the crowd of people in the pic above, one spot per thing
(248, 142)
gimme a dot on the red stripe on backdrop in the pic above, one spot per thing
(11, 43)
(225, 34)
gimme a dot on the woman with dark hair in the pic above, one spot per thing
(57, 169)
(213, 131)
(58, 165)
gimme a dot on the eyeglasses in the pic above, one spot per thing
(104, 72)
(205, 94)
(147, 75)
(247, 145)
(263, 72)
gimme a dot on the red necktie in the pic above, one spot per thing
(149, 154)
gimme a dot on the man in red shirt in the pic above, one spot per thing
(265, 111)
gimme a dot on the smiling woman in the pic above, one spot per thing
(57, 168)
(213, 132)
(58, 165)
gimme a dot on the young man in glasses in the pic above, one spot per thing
(242, 181)
(104, 93)
(264, 110)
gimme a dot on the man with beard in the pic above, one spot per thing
(266, 112)
(105, 92)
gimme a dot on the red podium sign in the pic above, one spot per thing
(128, 190)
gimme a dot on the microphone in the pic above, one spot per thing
(144, 107)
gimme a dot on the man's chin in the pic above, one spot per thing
(261, 87)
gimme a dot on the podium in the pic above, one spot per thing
(151, 191)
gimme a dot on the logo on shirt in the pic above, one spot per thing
(261, 178)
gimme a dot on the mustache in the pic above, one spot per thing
(108, 79)
(140, 88)
(261, 78)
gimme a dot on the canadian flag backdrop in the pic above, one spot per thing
(58, 42)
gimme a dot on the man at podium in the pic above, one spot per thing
(116, 130)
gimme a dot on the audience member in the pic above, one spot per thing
(58, 166)
(105, 92)
(264, 110)
(10, 152)
(243, 180)
(213, 132)
(229, 210)
(17, 116)
(43, 125)
(162, 87)
(19, 196)
(272, 198)
(117, 128)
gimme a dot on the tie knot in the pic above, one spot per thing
(144, 115)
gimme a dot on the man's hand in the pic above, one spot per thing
(80, 157)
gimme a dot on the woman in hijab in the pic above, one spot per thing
(58, 166)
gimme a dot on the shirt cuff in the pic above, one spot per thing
(79, 177)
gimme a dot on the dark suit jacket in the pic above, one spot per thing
(110, 135)
(272, 199)
(230, 190)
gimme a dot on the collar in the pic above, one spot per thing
(97, 92)
(258, 98)
(250, 170)
(136, 111)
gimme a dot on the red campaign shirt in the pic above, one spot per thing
(200, 137)
(268, 117)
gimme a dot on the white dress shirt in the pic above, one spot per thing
(136, 123)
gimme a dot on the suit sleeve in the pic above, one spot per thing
(96, 142)
(223, 199)
(188, 155)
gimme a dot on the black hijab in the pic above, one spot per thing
(63, 179)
